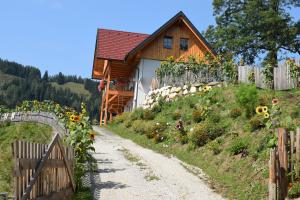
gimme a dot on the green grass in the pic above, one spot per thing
(241, 176)
(9, 132)
(76, 88)
(83, 194)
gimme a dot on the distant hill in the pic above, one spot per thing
(19, 83)
(77, 88)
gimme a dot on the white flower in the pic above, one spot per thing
(192, 129)
(157, 123)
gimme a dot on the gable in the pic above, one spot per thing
(156, 51)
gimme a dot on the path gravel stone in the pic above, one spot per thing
(127, 171)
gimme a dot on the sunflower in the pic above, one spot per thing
(265, 109)
(72, 118)
(68, 114)
(92, 135)
(206, 88)
(60, 115)
(275, 101)
(259, 110)
(76, 118)
(266, 115)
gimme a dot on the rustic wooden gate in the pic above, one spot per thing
(43, 171)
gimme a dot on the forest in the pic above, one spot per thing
(26, 83)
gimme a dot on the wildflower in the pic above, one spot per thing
(192, 129)
(157, 123)
(92, 135)
(259, 110)
(74, 118)
(68, 114)
(266, 115)
(265, 109)
(206, 88)
(60, 115)
(275, 101)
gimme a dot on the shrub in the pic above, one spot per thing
(183, 139)
(246, 97)
(157, 108)
(214, 117)
(121, 118)
(239, 145)
(256, 122)
(214, 146)
(176, 114)
(159, 137)
(235, 112)
(148, 114)
(127, 123)
(294, 191)
(199, 135)
(137, 114)
(214, 130)
(138, 126)
(199, 114)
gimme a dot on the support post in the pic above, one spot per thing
(283, 163)
(107, 94)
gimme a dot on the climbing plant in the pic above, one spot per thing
(216, 68)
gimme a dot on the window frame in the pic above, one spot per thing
(181, 45)
(166, 43)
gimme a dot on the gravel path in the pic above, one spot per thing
(128, 171)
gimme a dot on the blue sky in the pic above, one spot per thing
(59, 35)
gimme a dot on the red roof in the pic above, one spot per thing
(115, 45)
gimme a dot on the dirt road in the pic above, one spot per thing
(127, 171)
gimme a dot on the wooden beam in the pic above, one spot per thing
(121, 93)
(112, 98)
(107, 93)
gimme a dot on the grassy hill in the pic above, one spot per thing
(9, 132)
(76, 88)
(6, 78)
(217, 135)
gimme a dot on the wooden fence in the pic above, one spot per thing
(284, 163)
(43, 171)
(282, 78)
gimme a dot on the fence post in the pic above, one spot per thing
(272, 175)
(283, 163)
(297, 150)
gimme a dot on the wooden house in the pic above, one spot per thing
(127, 61)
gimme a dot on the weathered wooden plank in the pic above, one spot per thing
(283, 162)
(272, 176)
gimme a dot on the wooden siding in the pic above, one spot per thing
(179, 30)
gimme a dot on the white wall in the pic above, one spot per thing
(146, 73)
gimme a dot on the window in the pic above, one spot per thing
(184, 44)
(168, 41)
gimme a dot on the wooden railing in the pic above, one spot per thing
(43, 171)
(284, 164)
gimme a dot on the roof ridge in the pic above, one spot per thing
(122, 31)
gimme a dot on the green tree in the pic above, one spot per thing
(248, 29)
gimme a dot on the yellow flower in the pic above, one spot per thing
(206, 88)
(259, 110)
(265, 109)
(92, 135)
(266, 115)
(75, 118)
(68, 114)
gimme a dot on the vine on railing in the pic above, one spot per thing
(194, 69)
(81, 136)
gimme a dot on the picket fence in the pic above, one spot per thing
(43, 171)
(282, 78)
(284, 164)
